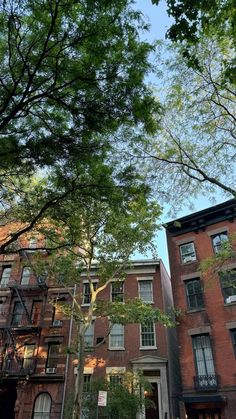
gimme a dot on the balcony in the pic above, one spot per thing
(14, 368)
(206, 382)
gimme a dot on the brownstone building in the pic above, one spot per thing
(207, 328)
(37, 374)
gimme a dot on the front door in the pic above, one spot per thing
(152, 412)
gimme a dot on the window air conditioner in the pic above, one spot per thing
(57, 323)
(231, 299)
(51, 370)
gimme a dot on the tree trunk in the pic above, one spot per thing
(79, 379)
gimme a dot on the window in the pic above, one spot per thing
(233, 337)
(228, 285)
(187, 252)
(28, 363)
(89, 336)
(147, 335)
(6, 272)
(33, 242)
(42, 406)
(116, 338)
(87, 293)
(115, 379)
(25, 275)
(36, 312)
(57, 313)
(218, 240)
(203, 355)
(53, 356)
(194, 294)
(117, 292)
(87, 383)
(145, 291)
(17, 314)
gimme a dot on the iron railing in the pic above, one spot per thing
(207, 382)
(18, 367)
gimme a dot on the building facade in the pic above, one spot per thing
(37, 374)
(207, 327)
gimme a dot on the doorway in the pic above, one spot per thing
(8, 395)
(152, 412)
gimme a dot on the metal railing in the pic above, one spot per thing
(18, 367)
(207, 382)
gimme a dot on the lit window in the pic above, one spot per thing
(87, 292)
(89, 336)
(194, 294)
(148, 335)
(42, 406)
(29, 360)
(145, 291)
(228, 285)
(187, 252)
(25, 275)
(116, 338)
(57, 313)
(6, 272)
(117, 292)
(218, 240)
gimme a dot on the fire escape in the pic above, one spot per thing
(20, 335)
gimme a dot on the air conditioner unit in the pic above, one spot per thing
(51, 370)
(231, 299)
(57, 323)
(188, 259)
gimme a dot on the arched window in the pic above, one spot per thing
(42, 406)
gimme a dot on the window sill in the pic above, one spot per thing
(116, 349)
(195, 310)
(230, 304)
(85, 305)
(147, 348)
(188, 263)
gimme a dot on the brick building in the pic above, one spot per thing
(37, 374)
(207, 328)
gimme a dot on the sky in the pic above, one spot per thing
(159, 21)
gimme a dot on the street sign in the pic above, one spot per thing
(102, 398)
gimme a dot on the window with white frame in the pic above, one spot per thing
(89, 337)
(25, 275)
(42, 406)
(33, 243)
(117, 291)
(218, 240)
(148, 338)
(145, 290)
(115, 375)
(116, 337)
(6, 272)
(87, 292)
(187, 252)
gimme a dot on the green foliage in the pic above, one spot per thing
(196, 19)
(195, 146)
(124, 400)
(72, 81)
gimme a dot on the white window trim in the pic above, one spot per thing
(180, 253)
(147, 347)
(86, 282)
(218, 231)
(115, 282)
(117, 348)
(140, 279)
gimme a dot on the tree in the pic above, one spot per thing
(196, 19)
(196, 146)
(106, 233)
(71, 76)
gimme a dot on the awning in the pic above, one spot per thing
(216, 398)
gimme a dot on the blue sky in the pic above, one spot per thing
(160, 22)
